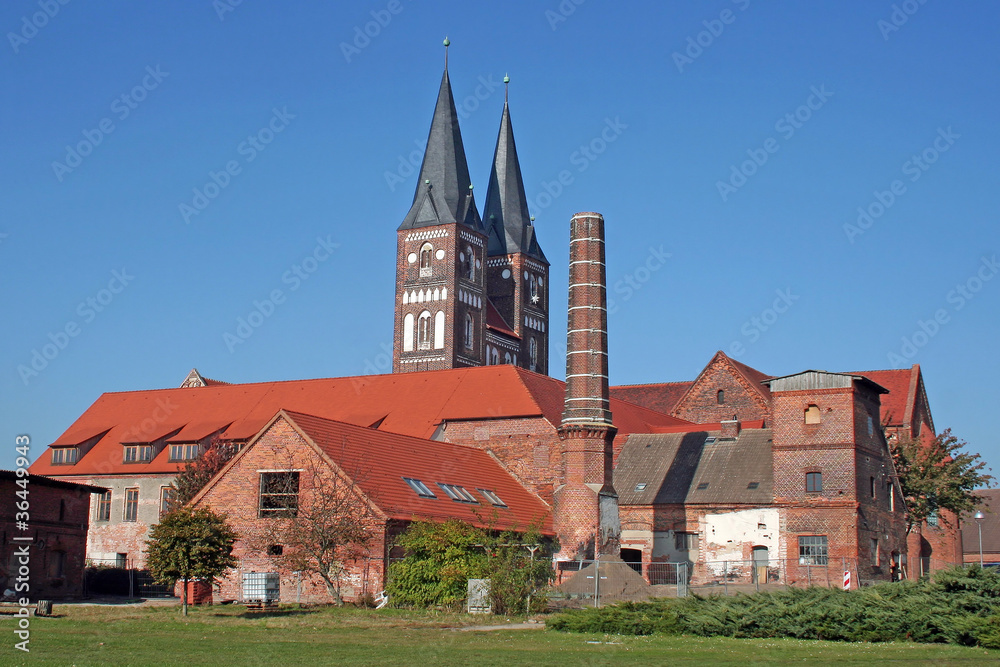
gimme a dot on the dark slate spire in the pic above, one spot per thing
(444, 190)
(506, 211)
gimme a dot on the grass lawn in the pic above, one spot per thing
(95, 635)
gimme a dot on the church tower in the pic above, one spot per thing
(441, 301)
(517, 273)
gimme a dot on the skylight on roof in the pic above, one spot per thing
(710, 440)
(458, 493)
(492, 497)
(640, 487)
(419, 488)
(703, 486)
(753, 485)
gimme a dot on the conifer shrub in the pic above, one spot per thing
(957, 606)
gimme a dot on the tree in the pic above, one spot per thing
(442, 557)
(197, 473)
(190, 544)
(318, 527)
(936, 474)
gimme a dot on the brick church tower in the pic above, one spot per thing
(586, 504)
(517, 273)
(440, 252)
(469, 294)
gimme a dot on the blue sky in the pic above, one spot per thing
(740, 138)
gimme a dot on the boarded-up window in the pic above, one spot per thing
(812, 414)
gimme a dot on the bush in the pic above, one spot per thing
(958, 606)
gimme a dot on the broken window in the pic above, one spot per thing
(279, 494)
(813, 550)
(685, 541)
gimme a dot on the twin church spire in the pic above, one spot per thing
(471, 290)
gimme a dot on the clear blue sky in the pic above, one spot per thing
(664, 120)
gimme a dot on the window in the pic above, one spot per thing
(720, 396)
(685, 541)
(532, 353)
(494, 356)
(419, 487)
(872, 482)
(533, 290)
(506, 358)
(812, 415)
(814, 482)
(167, 496)
(66, 456)
(104, 507)
(121, 560)
(279, 494)
(876, 557)
(753, 485)
(424, 331)
(408, 332)
(458, 493)
(932, 519)
(702, 486)
(439, 330)
(492, 497)
(469, 329)
(138, 453)
(131, 504)
(184, 452)
(640, 487)
(812, 550)
(470, 267)
(892, 498)
(275, 550)
(425, 259)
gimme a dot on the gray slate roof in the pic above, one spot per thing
(443, 194)
(673, 465)
(505, 214)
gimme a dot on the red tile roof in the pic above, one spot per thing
(386, 458)
(495, 321)
(662, 397)
(408, 403)
(898, 404)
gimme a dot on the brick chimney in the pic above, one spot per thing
(730, 428)
(586, 505)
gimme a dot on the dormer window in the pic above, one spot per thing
(812, 415)
(184, 452)
(65, 456)
(138, 454)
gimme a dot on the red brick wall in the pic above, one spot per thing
(700, 405)
(236, 494)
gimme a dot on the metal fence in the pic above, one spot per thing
(596, 582)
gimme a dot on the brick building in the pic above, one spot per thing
(735, 464)
(58, 515)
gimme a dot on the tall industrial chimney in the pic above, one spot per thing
(586, 505)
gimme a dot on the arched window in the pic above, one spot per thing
(439, 330)
(424, 331)
(533, 292)
(426, 251)
(469, 331)
(720, 397)
(532, 353)
(494, 356)
(506, 358)
(408, 332)
(812, 415)
(470, 268)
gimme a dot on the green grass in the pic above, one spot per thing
(90, 635)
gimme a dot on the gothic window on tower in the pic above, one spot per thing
(532, 353)
(424, 331)
(469, 331)
(507, 358)
(494, 356)
(533, 290)
(425, 259)
(439, 330)
(408, 323)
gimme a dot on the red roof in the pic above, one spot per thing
(661, 397)
(386, 458)
(408, 403)
(495, 321)
(899, 403)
